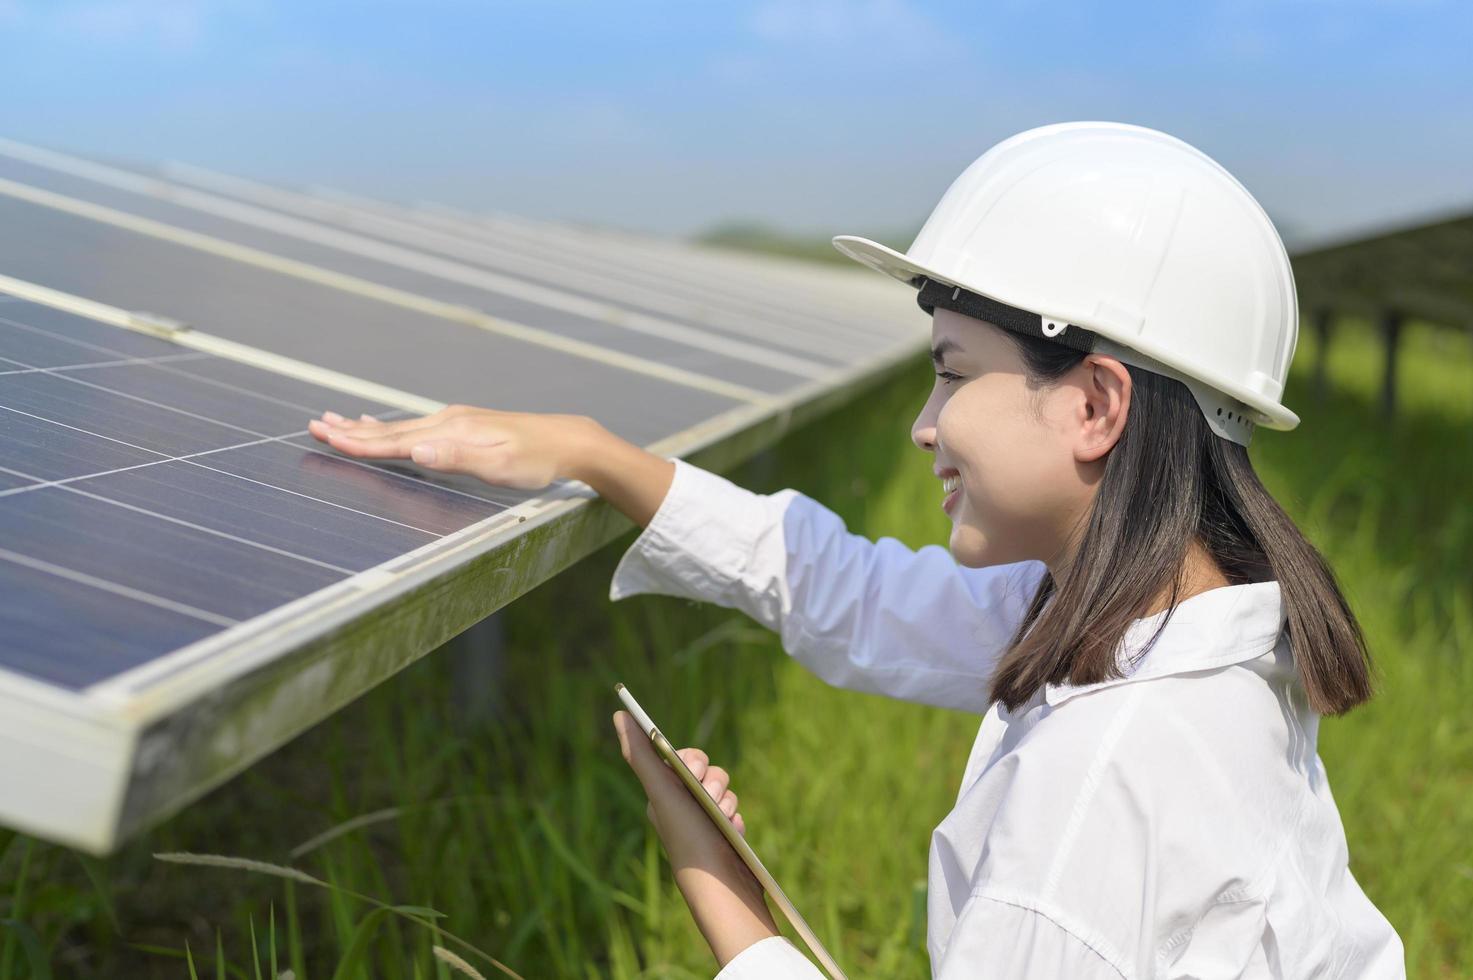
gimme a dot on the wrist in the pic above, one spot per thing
(586, 451)
(630, 478)
(729, 909)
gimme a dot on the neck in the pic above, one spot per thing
(1199, 573)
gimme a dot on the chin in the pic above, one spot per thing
(970, 547)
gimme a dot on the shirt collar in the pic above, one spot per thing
(1216, 628)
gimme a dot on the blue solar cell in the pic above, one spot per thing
(10, 480)
(57, 337)
(71, 634)
(114, 416)
(172, 549)
(303, 396)
(186, 392)
(312, 528)
(461, 483)
(206, 572)
(348, 484)
(48, 451)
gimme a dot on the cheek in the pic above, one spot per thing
(1008, 458)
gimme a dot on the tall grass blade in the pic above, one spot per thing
(297, 875)
(359, 944)
(456, 963)
(17, 908)
(30, 944)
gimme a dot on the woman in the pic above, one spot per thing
(1149, 638)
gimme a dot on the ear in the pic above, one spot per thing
(1106, 388)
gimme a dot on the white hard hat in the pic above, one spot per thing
(1121, 240)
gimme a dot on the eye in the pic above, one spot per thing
(948, 376)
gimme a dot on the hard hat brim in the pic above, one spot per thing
(897, 265)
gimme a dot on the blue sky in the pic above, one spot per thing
(815, 116)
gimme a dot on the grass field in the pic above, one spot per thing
(527, 830)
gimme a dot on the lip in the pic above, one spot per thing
(949, 501)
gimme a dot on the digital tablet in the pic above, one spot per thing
(729, 831)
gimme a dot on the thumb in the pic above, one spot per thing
(640, 753)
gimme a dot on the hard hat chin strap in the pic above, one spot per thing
(1226, 416)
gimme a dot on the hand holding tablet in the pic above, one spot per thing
(724, 824)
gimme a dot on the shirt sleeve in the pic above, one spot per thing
(993, 938)
(866, 615)
(773, 958)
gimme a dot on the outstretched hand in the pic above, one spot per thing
(522, 450)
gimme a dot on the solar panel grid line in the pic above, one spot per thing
(664, 294)
(812, 310)
(124, 362)
(117, 588)
(636, 249)
(394, 254)
(209, 530)
(308, 496)
(261, 437)
(194, 526)
(19, 290)
(813, 305)
(168, 680)
(705, 435)
(236, 389)
(160, 362)
(194, 460)
(63, 374)
(385, 294)
(304, 371)
(162, 458)
(807, 283)
(662, 297)
(355, 335)
(807, 318)
(206, 343)
(830, 290)
(84, 574)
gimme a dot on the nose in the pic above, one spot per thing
(923, 430)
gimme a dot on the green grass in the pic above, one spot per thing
(527, 830)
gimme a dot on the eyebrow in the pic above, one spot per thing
(946, 345)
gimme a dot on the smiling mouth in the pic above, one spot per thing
(951, 483)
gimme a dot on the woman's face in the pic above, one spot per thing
(1027, 459)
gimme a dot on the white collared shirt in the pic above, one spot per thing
(1175, 822)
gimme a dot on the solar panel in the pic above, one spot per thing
(133, 469)
(189, 579)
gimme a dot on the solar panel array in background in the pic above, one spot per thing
(151, 495)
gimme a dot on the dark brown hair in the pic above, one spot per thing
(1167, 481)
